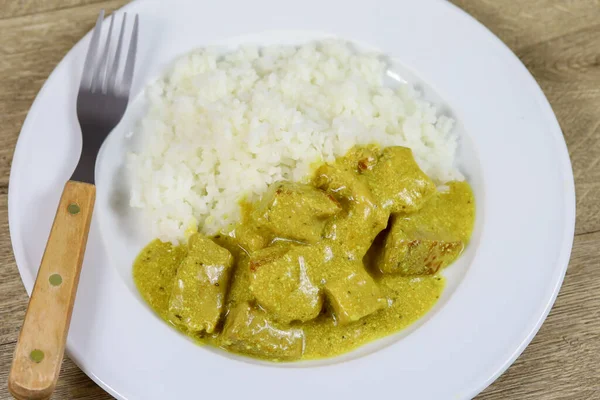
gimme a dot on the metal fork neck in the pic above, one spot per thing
(92, 141)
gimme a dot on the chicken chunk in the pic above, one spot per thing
(356, 227)
(295, 211)
(424, 242)
(247, 330)
(154, 273)
(361, 158)
(411, 252)
(198, 294)
(281, 282)
(397, 182)
(354, 296)
(340, 181)
(240, 282)
(251, 237)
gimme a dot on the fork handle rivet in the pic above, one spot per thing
(73, 209)
(36, 356)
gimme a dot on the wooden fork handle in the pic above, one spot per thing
(41, 345)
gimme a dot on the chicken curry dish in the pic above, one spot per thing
(316, 269)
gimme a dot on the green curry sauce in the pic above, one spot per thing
(316, 270)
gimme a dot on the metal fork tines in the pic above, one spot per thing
(99, 74)
(104, 90)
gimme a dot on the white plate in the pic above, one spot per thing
(498, 294)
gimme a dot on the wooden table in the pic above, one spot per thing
(558, 40)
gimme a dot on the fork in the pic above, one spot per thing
(101, 102)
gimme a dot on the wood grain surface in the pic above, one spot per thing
(558, 40)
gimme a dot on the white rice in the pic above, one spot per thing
(221, 128)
